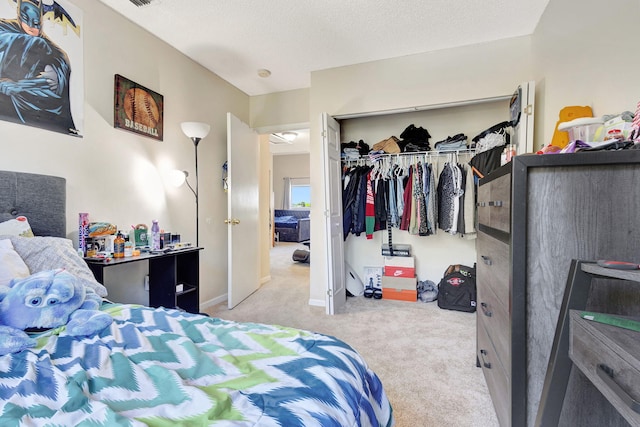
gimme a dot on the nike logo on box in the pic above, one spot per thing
(397, 273)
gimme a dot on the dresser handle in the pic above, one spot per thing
(483, 353)
(496, 203)
(486, 259)
(485, 309)
(606, 374)
(482, 204)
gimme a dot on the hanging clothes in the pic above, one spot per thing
(449, 192)
(469, 204)
(421, 202)
(432, 200)
(407, 199)
(393, 219)
(413, 197)
(370, 212)
(380, 203)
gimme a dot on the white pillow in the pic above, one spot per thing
(19, 226)
(11, 264)
(49, 253)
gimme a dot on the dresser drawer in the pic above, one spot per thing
(610, 358)
(495, 376)
(494, 203)
(495, 318)
(492, 269)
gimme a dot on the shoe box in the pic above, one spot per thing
(400, 294)
(399, 266)
(399, 279)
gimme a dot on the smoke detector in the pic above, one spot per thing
(264, 73)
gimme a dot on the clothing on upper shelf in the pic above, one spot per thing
(452, 143)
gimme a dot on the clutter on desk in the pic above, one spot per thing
(101, 239)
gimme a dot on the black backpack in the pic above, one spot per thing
(457, 289)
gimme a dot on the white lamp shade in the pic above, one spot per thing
(195, 129)
(176, 178)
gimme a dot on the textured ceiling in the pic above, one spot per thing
(291, 38)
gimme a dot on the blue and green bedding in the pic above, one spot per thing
(161, 367)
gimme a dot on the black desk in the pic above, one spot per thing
(166, 270)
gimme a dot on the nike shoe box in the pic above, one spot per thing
(399, 266)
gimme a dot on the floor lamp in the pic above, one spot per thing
(195, 131)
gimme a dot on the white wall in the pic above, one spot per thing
(116, 175)
(280, 108)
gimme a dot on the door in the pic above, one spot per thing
(336, 289)
(521, 111)
(242, 211)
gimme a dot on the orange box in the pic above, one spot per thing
(400, 294)
(395, 271)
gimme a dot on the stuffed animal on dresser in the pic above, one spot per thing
(44, 300)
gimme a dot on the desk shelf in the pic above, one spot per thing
(575, 299)
(166, 270)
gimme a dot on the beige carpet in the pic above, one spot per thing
(424, 356)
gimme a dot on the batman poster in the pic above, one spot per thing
(41, 65)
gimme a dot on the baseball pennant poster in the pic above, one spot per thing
(137, 109)
(41, 65)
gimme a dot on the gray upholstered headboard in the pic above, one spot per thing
(41, 198)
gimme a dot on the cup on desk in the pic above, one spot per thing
(108, 243)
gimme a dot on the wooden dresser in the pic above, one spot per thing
(535, 215)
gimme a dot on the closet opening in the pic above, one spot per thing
(433, 252)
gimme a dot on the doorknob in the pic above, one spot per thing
(233, 221)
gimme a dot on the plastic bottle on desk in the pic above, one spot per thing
(118, 246)
(155, 236)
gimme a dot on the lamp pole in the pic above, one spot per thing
(196, 131)
(195, 144)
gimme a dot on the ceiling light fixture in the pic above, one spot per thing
(289, 136)
(264, 73)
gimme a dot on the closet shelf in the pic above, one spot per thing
(425, 154)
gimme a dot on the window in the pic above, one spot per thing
(300, 196)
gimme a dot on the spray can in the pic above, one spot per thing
(83, 232)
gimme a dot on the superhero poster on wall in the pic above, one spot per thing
(41, 65)
(137, 109)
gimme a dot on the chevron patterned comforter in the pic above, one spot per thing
(162, 367)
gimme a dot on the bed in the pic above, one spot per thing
(165, 367)
(292, 225)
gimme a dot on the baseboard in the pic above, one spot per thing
(265, 279)
(317, 302)
(213, 301)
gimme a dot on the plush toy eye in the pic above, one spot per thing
(52, 301)
(35, 301)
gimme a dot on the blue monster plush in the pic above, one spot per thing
(47, 299)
